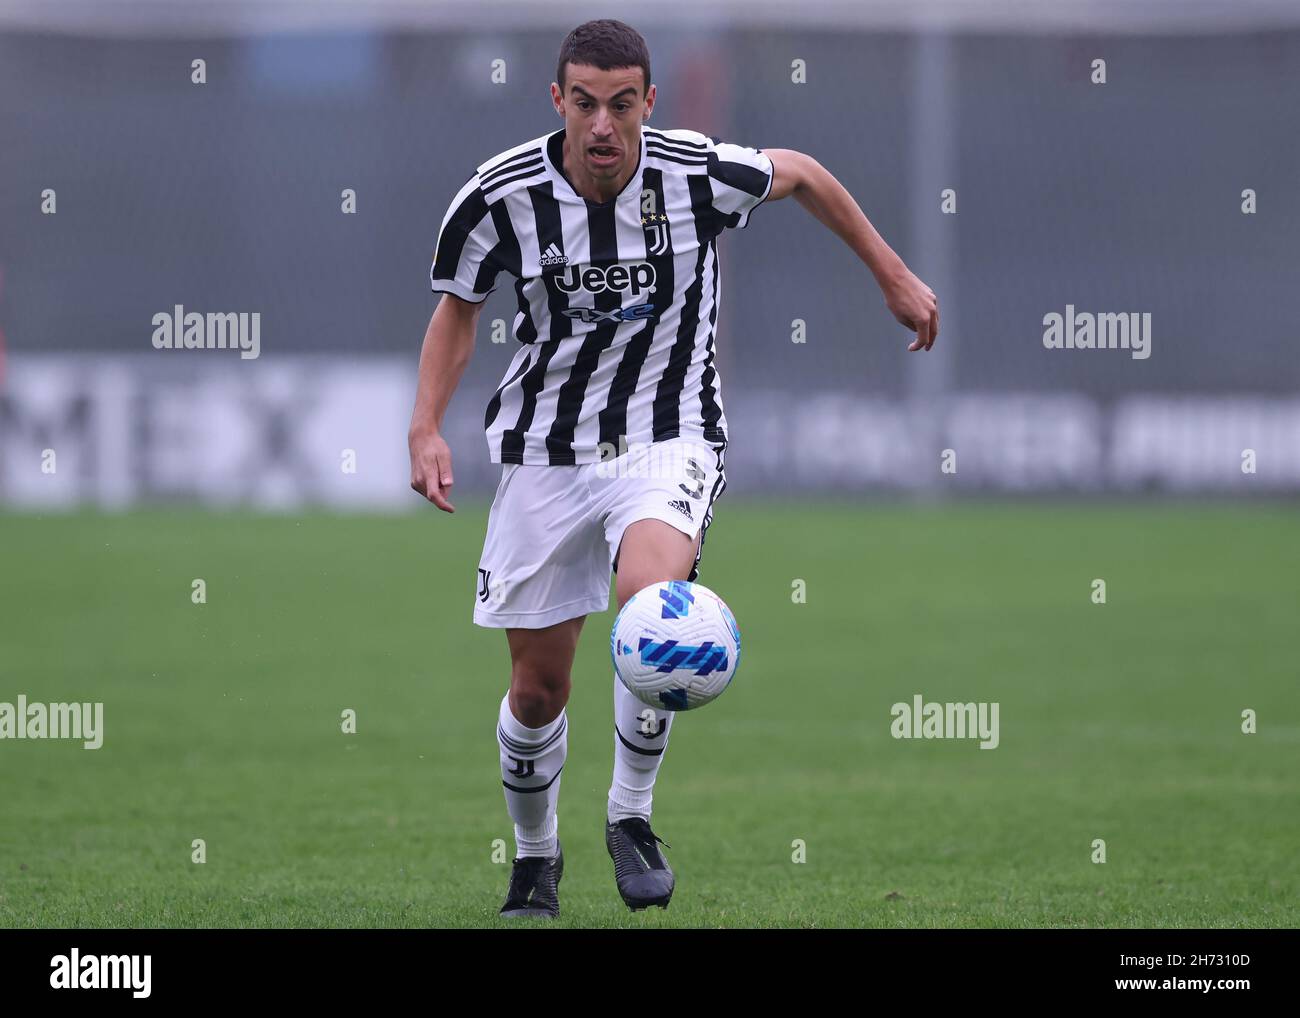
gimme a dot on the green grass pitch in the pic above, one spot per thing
(1119, 722)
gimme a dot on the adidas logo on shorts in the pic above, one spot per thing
(683, 507)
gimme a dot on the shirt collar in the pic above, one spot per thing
(553, 155)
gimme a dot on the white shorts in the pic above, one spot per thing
(553, 533)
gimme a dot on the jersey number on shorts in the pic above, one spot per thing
(696, 474)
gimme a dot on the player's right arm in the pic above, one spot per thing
(448, 345)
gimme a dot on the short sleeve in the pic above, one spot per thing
(463, 262)
(741, 179)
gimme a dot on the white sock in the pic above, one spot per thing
(640, 738)
(531, 761)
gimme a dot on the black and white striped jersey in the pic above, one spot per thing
(617, 301)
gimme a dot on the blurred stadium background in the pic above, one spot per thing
(332, 590)
(226, 196)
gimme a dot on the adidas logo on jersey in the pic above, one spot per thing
(552, 257)
(683, 507)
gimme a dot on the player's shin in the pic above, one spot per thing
(531, 761)
(640, 738)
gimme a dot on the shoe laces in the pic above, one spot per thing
(527, 872)
(639, 829)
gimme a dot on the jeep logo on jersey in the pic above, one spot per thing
(637, 277)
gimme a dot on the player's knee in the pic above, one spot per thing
(628, 584)
(538, 693)
(651, 552)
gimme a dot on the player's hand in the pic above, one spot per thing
(431, 468)
(914, 304)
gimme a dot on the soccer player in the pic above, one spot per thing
(609, 423)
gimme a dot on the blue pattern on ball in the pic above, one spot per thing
(677, 598)
(669, 656)
(674, 699)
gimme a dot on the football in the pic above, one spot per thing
(676, 645)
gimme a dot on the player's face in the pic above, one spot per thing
(603, 112)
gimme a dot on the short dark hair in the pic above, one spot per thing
(605, 44)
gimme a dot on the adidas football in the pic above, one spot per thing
(676, 645)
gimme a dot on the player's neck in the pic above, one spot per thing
(587, 186)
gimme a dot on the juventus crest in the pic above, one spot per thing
(656, 233)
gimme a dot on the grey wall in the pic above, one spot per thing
(1115, 197)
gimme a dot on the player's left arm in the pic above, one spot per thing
(908, 299)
